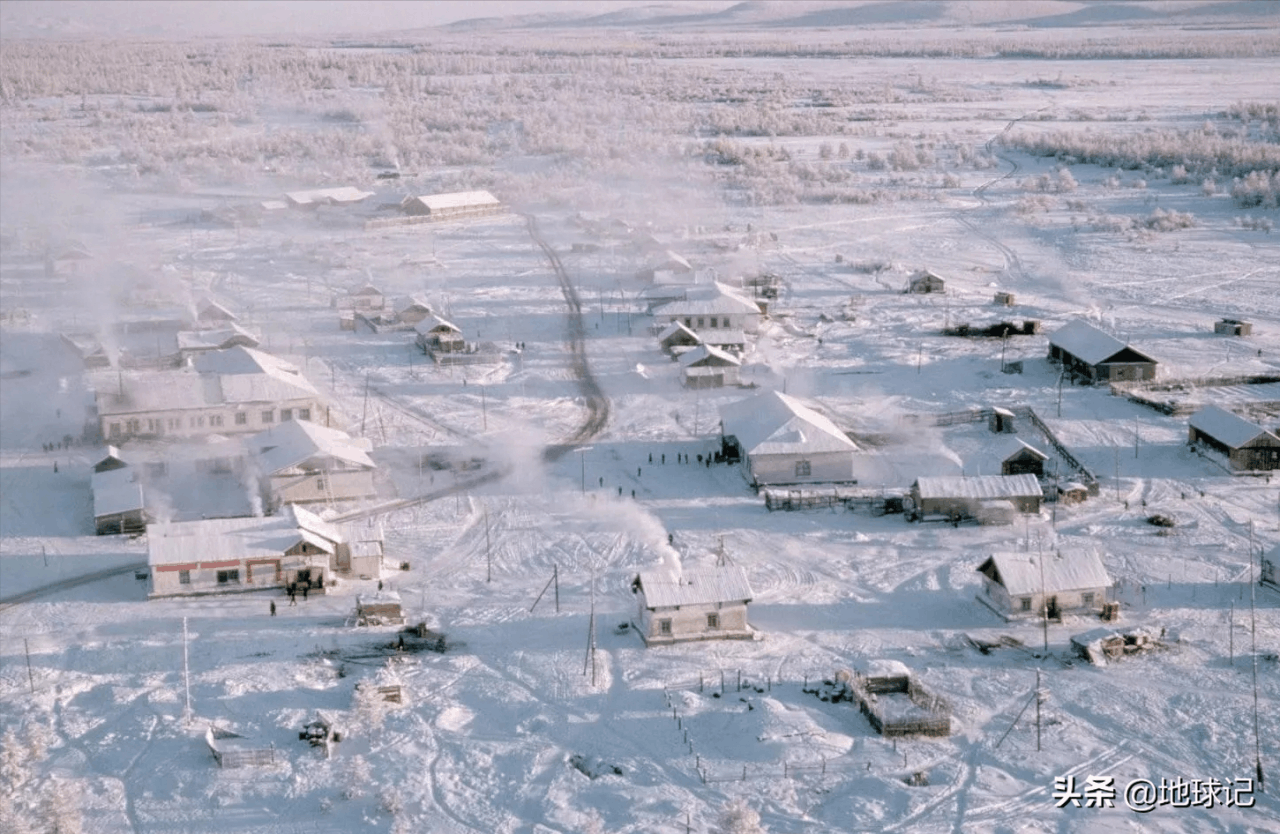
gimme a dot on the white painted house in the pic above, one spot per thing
(228, 555)
(300, 462)
(1031, 585)
(715, 307)
(232, 391)
(704, 604)
(779, 440)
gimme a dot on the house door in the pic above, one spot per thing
(1051, 609)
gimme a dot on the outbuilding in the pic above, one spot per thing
(1085, 351)
(959, 496)
(927, 281)
(709, 367)
(452, 206)
(675, 338)
(1248, 446)
(119, 505)
(703, 604)
(780, 440)
(1233, 327)
(1018, 457)
(436, 335)
(1049, 584)
(302, 462)
(411, 309)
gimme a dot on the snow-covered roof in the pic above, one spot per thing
(663, 589)
(235, 376)
(980, 487)
(458, 199)
(317, 196)
(435, 324)
(676, 329)
(719, 300)
(1020, 573)
(1010, 447)
(411, 302)
(383, 597)
(233, 336)
(299, 442)
(673, 262)
(367, 289)
(307, 520)
(225, 539)
(210, 310)
(1087, 343)
(881, 667)
(111, 460)
(1227, 428)
(721, 337)
(116, 491)
(776, 424)
(707, 355)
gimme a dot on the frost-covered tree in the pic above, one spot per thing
(739, 818)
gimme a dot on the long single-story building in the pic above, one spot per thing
(1085, 351)
(960, 496)
(779, 440)
(1248, 446)
(1033, 585)
(706, 604)
(233, 391)
(301, 462)
(340, 196)
(452, 206)
(715, 307)
(227, 555)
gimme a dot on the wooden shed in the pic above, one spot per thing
(704, 604)
(1248, 446)
(1087, 352)
(1233, 327)
(1018, 457)
(1049, 584)
(927, 281)
(959, 496)
(676, 336)
(1005, 299)
(379, 608)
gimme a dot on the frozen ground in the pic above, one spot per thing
(485, 739)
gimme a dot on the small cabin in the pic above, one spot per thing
(1020, 458)
(706, 604)
(1247, 446)
(1233, 327)
(379, 608)
(709, 367)
(1049, 584)
(1005, 299)
(927, 282)
(1001, 421)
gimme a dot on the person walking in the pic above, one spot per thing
(273, 607)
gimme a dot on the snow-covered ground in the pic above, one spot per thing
(92, 682)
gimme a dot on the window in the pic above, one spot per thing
(320, 484)
(712, 321)
(1025, 603)
(664, 627)
(175, 423)
(286, 414)
(242, 418)
(215, 419)
(229, 577)
(115, 429)
(803, 469)
(1086, 600)
(700, 321)
(135, 426)
(184, 577)
(688, 322)
(268, 416)
(713, 621)
(152, 425)
(304, 414)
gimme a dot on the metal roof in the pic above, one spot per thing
(225, 539)
(1021, 573)
(1011, 447)
(1227, 428)
(980, 487)
(663, 589)
(1089, 344)
(116, 491)
(233, 336)
(458, 199)
(301, 443)
(775, 424)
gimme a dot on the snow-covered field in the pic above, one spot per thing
(92, 689)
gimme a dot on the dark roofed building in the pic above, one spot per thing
(1085, 351)
(1248, 446)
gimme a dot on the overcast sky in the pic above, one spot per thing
(188, 18)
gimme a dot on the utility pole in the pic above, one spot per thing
(31, 681)
(484, 409)
(1037, 710)
(488, 550)
(1044, 598)
(365, 415)
(1253, 638)
(555, 577)
(1061, 378)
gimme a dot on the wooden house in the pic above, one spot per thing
(1050, 584)
(1005, 299)
(927, 281)
(1233, 327)
(234, 391)
(365, 298)
(119, 505)
(301, 462)
(436, 335)
(705, 604)
(959, 496)
(709, 367)
(675, 339)
(452, 206)
(668, 268)
(1248, 446)
(1085, 351)
(411, 309)
(1020, 458)
(211, 314)
(779, 440)
(226, 555)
